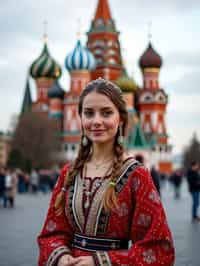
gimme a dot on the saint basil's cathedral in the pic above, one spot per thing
(101, 57)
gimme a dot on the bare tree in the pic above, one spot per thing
(36, 139)
(191, 152)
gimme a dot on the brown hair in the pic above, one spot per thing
(114, 93)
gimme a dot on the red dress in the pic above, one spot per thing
(140, 218)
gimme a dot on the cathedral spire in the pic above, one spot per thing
(103, 42)
(27, 101)
(103, 11)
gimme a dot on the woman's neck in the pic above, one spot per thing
(102, 151)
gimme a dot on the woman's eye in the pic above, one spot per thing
(107, 113)
(88, 113)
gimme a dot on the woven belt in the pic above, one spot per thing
(96, 244)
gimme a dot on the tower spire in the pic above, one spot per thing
(27, 101)
(103, 11)
(45, 37)
(149, 31)
(103, 42)
(79, 29)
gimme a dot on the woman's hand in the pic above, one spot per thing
(84, 261)
(66, 260)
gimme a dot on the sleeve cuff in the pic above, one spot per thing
(101, 258)
(56, 254)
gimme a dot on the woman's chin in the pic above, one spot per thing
(100, 140)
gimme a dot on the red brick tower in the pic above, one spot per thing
(103, 42)
(152, 103)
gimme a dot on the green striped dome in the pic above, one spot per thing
(45, 66)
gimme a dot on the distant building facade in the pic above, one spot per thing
(147, 133)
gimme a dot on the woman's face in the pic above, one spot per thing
(100, 118)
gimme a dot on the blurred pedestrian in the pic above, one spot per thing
(54, 174)
(11, 187)
(106, 197)
(2, 186)
(44, 180)
(176, 179)
(34, 181)
(193, 178)
(156, 178)
(21, 181)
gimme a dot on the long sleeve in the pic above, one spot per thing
(55, 237)
(151, 238)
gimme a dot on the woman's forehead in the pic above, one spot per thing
(97, 100)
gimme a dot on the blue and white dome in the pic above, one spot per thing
(80, 58)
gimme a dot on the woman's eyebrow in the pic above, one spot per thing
(88, 108)
(101, 108)
(106, 108)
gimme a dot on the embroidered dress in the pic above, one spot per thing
(140, 218)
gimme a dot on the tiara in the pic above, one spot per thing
(100, 80)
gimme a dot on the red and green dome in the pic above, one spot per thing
(150, 58)
(126, 83)
(45, 66)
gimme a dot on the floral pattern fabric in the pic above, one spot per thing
(139, 218)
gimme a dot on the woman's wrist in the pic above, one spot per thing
(62, 259)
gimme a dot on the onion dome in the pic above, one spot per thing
(45, 66)
(55, 91)
(126, 83)
(150, 58)
(80, 58)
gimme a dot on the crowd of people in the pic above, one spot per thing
(17, 181)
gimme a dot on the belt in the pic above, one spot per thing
(98, 244)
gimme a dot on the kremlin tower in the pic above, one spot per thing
(79, 63)
(152, 102)
(103, 42)
(101, 57)
(44, 70)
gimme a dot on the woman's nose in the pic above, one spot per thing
(97, 119)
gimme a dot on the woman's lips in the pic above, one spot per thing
(97, 132)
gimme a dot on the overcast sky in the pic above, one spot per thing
(175, 35)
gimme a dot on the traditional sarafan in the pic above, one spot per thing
(135, 234)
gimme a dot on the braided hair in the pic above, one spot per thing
(115, 94)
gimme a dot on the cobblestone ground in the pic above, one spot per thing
(19, 227)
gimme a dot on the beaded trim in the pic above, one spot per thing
(102, 258)
(56, 253)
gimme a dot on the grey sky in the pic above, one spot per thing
(175, 35)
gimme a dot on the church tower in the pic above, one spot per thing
(56, 95)
(79, 63)
(103, 42)
(44, 70)
(152, 102)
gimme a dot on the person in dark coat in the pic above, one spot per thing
(176, 179)
(193, 178)
(2, 186)
(156, 178)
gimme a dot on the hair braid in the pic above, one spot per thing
(110, 197)
(83, 155)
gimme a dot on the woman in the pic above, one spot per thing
(105, 199)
